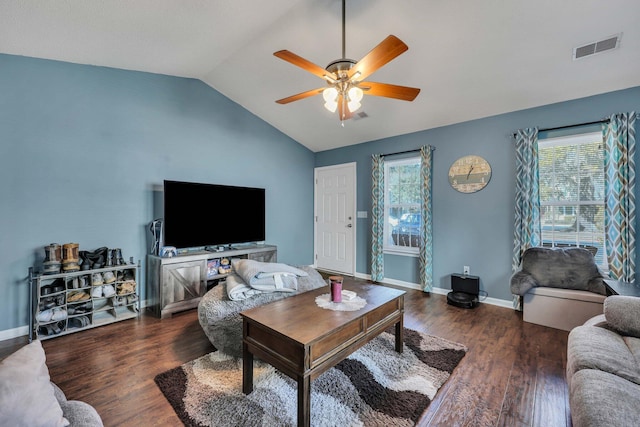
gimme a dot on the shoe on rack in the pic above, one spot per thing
(70, 257)
(83, 281)
(77, 296)
(45, 316)
(46, 303)
(132, 299)
(96, 292)
(110, 258)
(86, 261)
(56, 328)
(97, 279)
(109, 277)
(53, 253)
(59, 300)
(45, 330)
(79, 322)
(53, 258)
(127, 287)
(117, 255)
(129, 275)
(59, 313)
(98, 263)
(108, 290)
(57, 286)
(51, 267)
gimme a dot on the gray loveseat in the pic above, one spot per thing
(220, 319)
(603, 366)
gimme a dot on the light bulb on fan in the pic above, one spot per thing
(330, 96)
(355, 95)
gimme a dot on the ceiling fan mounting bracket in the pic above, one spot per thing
(340, 67)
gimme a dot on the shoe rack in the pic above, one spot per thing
(69, 302)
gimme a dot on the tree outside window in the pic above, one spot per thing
(571, 173)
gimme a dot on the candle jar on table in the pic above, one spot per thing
(336, 288)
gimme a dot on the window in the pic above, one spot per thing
(402, 206)
(572, 192)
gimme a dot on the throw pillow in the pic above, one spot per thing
(26, 394)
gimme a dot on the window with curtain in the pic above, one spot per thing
(402, 206)
(571, 174)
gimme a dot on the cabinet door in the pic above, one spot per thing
(183, 281)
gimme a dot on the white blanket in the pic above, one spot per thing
(253, 277)
(238, 290)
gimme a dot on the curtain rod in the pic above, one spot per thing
(406, 152)
(571, 126)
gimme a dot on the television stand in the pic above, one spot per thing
(177, 283)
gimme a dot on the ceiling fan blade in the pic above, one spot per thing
(388, 49)
(301, 95)
(343, 110)
(303, 63)
(404, 93)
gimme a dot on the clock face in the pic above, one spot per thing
(469, 174)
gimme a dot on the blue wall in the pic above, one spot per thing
(469, 229)
(82, 149)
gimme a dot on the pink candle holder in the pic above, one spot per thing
(336, 288)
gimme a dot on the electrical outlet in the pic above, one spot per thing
(466, 269)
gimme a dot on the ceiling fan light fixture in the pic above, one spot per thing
(331, 106)
(355, 94)
(353, 105)
(330, 96)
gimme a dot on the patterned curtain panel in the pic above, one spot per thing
(426, 238)
(620, 210)
(527, 232)
(377, 220)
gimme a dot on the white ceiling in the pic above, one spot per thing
(470, 58)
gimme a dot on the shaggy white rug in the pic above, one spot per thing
(375, 386)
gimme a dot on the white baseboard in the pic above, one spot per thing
(435, 290)
(14, 333)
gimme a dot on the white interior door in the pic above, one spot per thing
(335, 218)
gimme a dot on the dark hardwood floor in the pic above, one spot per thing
(512, 375)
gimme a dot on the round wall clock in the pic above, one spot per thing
(469, 174)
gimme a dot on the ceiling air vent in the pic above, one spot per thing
(600, 46)
(360, 115)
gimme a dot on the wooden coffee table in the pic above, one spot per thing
(303, 340)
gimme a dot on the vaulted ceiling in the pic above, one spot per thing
(470, 58)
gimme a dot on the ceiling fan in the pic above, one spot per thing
(345, 77)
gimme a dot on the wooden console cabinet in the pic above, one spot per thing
(177, 283)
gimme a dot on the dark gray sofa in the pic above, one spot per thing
(603, 366)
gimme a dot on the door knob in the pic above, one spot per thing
(349, 226)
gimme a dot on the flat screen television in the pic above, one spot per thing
(201, 215)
